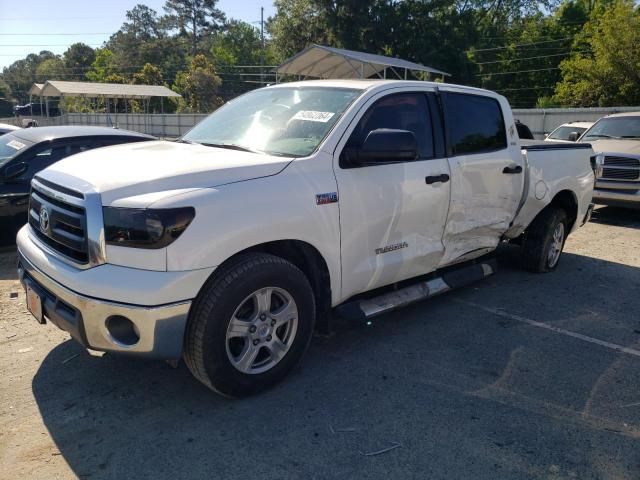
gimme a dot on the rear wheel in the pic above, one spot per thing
(250, 325)
(544, 240)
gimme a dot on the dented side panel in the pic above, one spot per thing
(484, 200)
(551, 172)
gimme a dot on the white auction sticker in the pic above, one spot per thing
(16, 144)
(313, 116)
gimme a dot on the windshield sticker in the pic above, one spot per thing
(16, 144)
(313, 116)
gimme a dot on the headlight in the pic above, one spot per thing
(145, 228)
(597, 164)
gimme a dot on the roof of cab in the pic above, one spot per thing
(372, 83)
(624, 114)
(41, 134)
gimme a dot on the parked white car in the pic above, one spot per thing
(568, 132)
(616, 140)
(7, 128)
(230, 246)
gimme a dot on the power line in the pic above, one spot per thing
(48, 45)
(53, 34)
(517, 71)
(531, 58)
(523, 88)
(518, 45)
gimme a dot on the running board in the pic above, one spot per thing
(371, 307)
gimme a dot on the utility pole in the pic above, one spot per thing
(262, 46)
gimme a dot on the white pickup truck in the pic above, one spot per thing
(230, 246)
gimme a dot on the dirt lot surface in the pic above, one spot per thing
(521, 376)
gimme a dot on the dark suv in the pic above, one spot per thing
(25, 152)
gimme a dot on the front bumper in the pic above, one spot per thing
(617, 193)
(159, 330)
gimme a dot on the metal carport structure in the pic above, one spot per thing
(319, 61)
(105, 91)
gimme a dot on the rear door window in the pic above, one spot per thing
(475, 124)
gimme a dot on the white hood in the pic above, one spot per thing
(137, 169)
(615, 146)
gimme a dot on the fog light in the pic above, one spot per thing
(123, 330)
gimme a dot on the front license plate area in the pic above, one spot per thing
(34, 304)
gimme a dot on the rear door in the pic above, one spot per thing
(391, 219)
(487, 173)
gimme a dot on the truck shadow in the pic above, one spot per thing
(455, 386)
(621, 217)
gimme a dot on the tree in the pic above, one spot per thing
(199, 86)
(296, 24)
(77, 60)
(50, 69)
(5, 99)
(608, 72)
(239, 43)
(142, 23)
(192, 17)
(21, 74)
(102, 67)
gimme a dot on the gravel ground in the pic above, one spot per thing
(522, 376)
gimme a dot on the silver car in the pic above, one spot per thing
(616, 141)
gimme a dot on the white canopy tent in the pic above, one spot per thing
(319, 61)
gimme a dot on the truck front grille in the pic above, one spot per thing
(621, 168)
(58, 221)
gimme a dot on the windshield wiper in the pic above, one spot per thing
(182, 140)
(636, 137)
(230, 146)
(601, 135)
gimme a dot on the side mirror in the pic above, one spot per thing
(13, 171)
(384, 146)
(573, 137)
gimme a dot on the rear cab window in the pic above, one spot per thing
(475, 123)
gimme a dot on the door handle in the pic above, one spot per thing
(444, 178)
(512, 169)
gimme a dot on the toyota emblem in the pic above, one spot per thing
(44, 220)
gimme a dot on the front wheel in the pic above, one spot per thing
(544, 240)
(250, 325)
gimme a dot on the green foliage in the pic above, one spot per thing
(103, 67)
(192, 18)
(297, 24)
(50, 69)
(607, 73)
(198, 86)
(77, 61)
(21, 74)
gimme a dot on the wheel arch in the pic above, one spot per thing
(568, 201)
(309, 260)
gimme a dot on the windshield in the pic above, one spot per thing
(562, 133)
(278, 121)
(11, 146)
(615, 127)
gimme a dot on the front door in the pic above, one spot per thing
(391, 219)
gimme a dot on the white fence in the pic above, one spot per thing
(540, 121)
(543, 121)
(159, 125)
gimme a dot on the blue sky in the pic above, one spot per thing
(28, 26)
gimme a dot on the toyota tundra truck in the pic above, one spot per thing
(288, 205)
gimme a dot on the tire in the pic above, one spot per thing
(273, 307)
(544, 240)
